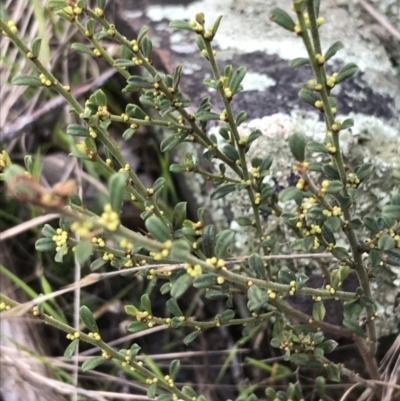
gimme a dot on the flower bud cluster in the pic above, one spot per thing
(60, 239)
(82, 227)
(5, 160)
(109, 218)
(74, 336)
(193, 271)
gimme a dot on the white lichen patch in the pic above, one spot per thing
(256, 81)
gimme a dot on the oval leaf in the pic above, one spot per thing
(93, 363)
(88, 319)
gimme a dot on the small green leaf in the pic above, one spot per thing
(205, 116)
(48, 231)
(172, 141)
(151, 391)
(133, 110)
(147, 47)
(333, 223)
(244, 221)
(174, 368)
(316, 147)
(354, 327)
(308, 96)
(216, 24)
(257, 298)
(60, 254)
(297, 144)
(237, 79)
(81, 48)
(227, 316)
(330, 172)
(189, 392)
(128, 134)
(157, 228)
(56, 5)
(346, 72)
(270, 392)
(134, 350)
(333, 50)
(26, 80)
(340, 253)
(145, 303)
(77, 130)
(223, 241)
(391, 212)
(36, 44)
(386, 242)
(45, 245)
(253, 136)
(120, 62)
(205, 280)
(352, 311)
(88, 319)
(191, 337)
(140, 82)
(364, 171)
(257, 264)
(328, 346)
(297, 62)
(97, 264)
(70, 350)
(116, 190)
(142, 33)
(177, 168)
(392, 257)
(346, 124)
(319, 311)
(181, 25)
(180, 286)
(241, 117)
(308, 243)
(320, 383)
(93, 363)
(174, 308)
(291, 193)
(266, 163)
(180, 249)
(99, 98)
(301, 281)
(134, 327)
(282, 18)
(286, 276)
(222, 191)
(231, 152)
(208, 240)
(333, 372)
(83, 251)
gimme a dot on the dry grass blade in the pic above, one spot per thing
(27, 225)
(390, 369)
(379, 18)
